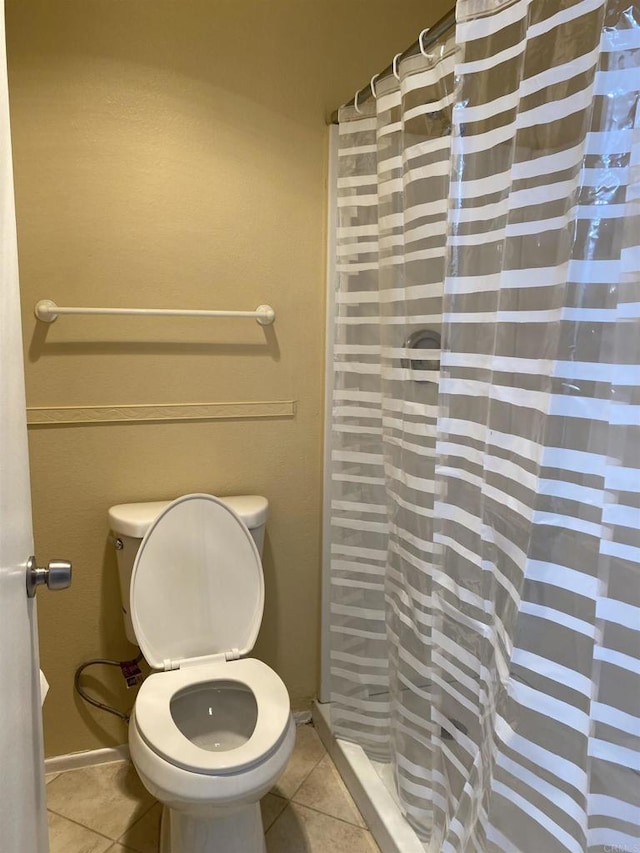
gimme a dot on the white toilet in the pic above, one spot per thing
(211, 730)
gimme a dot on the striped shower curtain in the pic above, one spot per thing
(486, 497)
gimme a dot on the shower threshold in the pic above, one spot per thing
(371, 786)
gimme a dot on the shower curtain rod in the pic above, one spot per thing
(435, 32)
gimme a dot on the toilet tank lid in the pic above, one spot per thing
(136, 518)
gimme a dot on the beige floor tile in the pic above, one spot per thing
(271, 806)
(49, 777)
(307, 754)
(324, 790)
(68, 837)
(144, 836)
(108, 798)
(303, 830)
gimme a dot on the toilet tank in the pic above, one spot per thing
(130, 522)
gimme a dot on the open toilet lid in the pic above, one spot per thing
(197, 586)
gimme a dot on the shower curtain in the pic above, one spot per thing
(485, 553)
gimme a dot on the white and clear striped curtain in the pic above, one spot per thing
(393, 200)
(486, 545)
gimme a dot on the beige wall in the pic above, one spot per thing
(174, 153)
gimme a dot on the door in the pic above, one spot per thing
(23, 827)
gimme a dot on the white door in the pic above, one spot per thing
(23, 827)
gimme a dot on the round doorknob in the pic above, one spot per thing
(59, 574)
(56, 575)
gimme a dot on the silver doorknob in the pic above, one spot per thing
(57, 575)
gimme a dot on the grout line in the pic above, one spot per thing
(101, 834)
(291, 800)
(90, 828)
(84, 826)
(308, 774)
(332, 816)
(346, 791)
(286, 803)
(284, 810)
(304, 780)
(277, 796)
(382, 814)
(346, 794)
(290, 803)
(136, 822)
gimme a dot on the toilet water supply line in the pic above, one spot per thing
(130, 671)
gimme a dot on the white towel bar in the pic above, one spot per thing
(48, 311)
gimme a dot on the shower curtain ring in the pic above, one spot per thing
(394, 66)
(420, 42)
(355, 102)
(372, 85)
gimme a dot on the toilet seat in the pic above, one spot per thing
(197, 588)
(197, 598)
(159, 730)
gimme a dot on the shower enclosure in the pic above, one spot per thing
(482, 504)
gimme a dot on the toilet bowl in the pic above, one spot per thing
(211, 729)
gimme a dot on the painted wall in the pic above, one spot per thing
(174, 153)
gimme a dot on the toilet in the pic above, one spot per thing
(211, 729)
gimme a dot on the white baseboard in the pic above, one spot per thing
(76, 760)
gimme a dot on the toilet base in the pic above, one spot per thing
(238, 831)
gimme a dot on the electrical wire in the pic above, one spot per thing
(124, 715)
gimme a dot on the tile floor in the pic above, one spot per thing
(106, 809)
